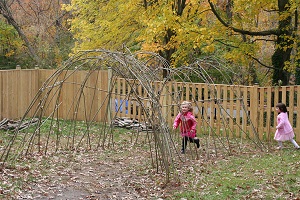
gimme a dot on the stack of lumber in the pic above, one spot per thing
(125, 122)
(7, 124)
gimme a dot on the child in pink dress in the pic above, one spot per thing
(284, 130)
(187, 123)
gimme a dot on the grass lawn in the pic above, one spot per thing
(273, 175)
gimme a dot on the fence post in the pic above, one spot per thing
(163, 97)
(109, 77)
(297, 128)
(254, 110)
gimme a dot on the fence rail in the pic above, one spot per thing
(225, 109)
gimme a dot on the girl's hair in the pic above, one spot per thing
(189, 105)
(281, 107)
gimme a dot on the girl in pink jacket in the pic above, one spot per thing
(284, 130)
(187, 123)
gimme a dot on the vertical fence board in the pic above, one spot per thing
(225, 115)
(206, 104)
(210, 100)
(261, 111)
(176, 96)
(104, 81)
(143, 101)
(218, 109)
(132, 102)
(49, 94)
(283, 94)
(182, 88)
(92, 98)
(269, 131)
(291, 96)
(5, 95)
(254, 110)
(123, 98)
(297, 111)
(10, 101)
(67, 96)
(118, 98)
(187, 93)
(169, 104)
(238, 111)
(245, 111)
(275, 101)
(28, 85)
(231, 109)
(196, 108)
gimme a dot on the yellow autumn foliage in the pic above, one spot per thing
(188, 31)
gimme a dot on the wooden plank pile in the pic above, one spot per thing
(7, 124)
(125, 122)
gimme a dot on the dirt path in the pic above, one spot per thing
(90, 176)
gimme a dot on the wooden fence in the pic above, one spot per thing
(224, 109)
(221, 109)
(75, 95)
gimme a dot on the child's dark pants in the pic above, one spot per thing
(185, 139)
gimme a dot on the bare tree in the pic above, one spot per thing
(5, 11)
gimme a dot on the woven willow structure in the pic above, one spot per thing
(142, 70)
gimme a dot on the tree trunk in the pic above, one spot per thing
(31, 50)
(167, 53)
(283, 46)
(178, 6)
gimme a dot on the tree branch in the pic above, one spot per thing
(6, 13)
(259, 33)
(256, 59)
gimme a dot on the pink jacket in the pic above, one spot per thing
(187, 123)
(283, 124)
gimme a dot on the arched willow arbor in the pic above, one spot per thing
(76, 106)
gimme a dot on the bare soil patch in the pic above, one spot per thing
(87, 175)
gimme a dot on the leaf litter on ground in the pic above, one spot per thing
(126, 172)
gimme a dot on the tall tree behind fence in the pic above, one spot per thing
(247, 110)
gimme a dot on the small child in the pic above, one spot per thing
(188, 124)
(284, 130)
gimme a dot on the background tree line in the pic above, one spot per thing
(33, 33)
(258, 40)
